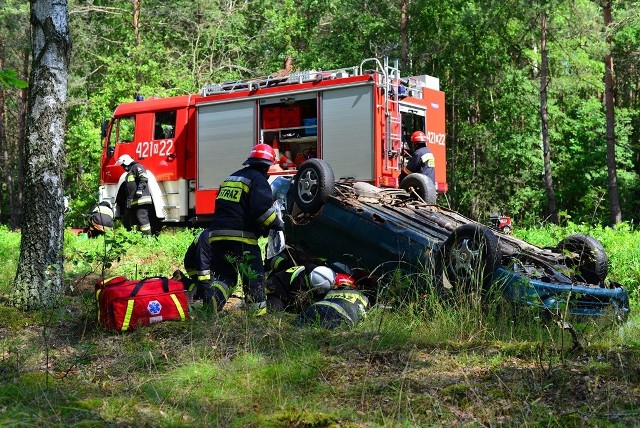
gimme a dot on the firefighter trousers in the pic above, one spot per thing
(230, 258)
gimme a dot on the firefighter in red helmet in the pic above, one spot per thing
(244, 212)
(422, 160)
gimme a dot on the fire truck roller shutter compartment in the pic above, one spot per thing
(226, 134)
(347, 131)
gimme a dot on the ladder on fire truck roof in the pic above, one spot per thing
(408, 85)
(392, 85)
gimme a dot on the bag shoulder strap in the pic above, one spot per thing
(165, 284)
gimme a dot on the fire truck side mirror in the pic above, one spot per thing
(104, 128)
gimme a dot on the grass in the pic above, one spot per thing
(413, 362)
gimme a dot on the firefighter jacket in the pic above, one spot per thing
(291, 286)
(339, 306)
(101, 218)
(423, 162)
(137, 185)
(244, 208)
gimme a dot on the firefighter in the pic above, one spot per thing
(291, 289)
(100, 219)
(422, 160)
(138, 196)
(279, 262)
(197, 259)
(342, 305)
(244, 212)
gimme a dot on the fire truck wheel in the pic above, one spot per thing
(313, 183)
(590, 261)
(469, 258)
(422, 185)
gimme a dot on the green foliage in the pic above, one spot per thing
(9, 79)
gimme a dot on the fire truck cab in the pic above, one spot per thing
(357, 119)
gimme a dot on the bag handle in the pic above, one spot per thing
(165, 284)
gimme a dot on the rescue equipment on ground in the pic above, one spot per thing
(128, 304)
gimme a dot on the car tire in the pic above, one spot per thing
(313, 184)
(591, 261)
(469, 257)
(422, 185)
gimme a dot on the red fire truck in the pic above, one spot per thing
(354, 118)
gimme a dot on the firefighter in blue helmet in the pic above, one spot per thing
(138, 195)
(422, 160)
(244, 212)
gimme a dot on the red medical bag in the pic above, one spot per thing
(124, 305)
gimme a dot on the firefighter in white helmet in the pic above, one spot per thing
(244, 212)
(138, 200)
(422, 160)
(296, 287)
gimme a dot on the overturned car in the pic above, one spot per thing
(383, 230)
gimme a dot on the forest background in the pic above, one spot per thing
(487, 56)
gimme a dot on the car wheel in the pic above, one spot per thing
(422, 185)
(591, 261)
(313, 183)
(469, 258)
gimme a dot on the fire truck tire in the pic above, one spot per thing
(422, 185)
(469, 257)
(590, 261)
(313, 183)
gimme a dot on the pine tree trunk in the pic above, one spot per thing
(609, 101)
(38, 282)
(552, 211)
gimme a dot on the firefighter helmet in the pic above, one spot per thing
(322, 278)
(418, 137)
(344, 280)
(124, 160)
(261, 154)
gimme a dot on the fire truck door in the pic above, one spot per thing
(347, 131)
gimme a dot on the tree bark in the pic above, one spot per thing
(609, 101)
(3, 133)
(404, 54)
(38, 282)
(552, 210)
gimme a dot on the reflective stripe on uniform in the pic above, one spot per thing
(222, 287)
(428, 160)
(178, 306)
(142, 200)
(294, 271)
(233, 235)
(335, 306)
(234, 238)
(268, 217)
